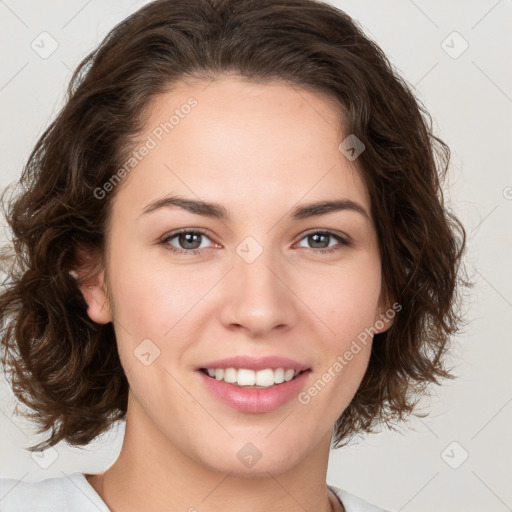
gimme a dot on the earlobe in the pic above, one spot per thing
(94, 292)
(384, 316)
(92, 283)
(383, 321)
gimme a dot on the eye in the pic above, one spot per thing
(188, 241)
(319, 239)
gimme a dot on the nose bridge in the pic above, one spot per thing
(258, 299)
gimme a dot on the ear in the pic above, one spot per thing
(385, 313)
(92, 283)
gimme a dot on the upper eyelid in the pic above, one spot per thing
(325, 230)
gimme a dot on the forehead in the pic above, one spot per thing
(244, 142)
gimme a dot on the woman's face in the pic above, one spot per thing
(255, 282)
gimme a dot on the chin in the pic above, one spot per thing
(251, 459)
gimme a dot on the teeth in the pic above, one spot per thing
(265, 378)
(288, 375)
(244, 377)
(230, 375)
(279, 375)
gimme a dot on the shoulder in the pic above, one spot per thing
(354, 504)
(60, 494)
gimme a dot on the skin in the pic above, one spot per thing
(259, 150)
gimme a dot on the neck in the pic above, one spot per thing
(152, 474)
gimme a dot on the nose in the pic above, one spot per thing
(258, 298)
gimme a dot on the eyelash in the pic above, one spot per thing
(343, 242)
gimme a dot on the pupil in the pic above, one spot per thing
(186, 238)
(315, 238)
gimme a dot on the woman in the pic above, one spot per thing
(233, 237)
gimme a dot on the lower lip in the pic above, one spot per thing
(255, 400)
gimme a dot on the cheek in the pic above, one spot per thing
(344, 296)
(162, 304)
(152, 296)
(345, 299)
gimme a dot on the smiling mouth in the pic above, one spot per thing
(257, 379)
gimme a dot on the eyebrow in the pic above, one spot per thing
(217, 211)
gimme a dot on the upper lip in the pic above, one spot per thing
(255, 363)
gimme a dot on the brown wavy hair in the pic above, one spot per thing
(64, 367)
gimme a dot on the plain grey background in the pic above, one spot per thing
(457, 55)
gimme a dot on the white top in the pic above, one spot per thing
(73, 493)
